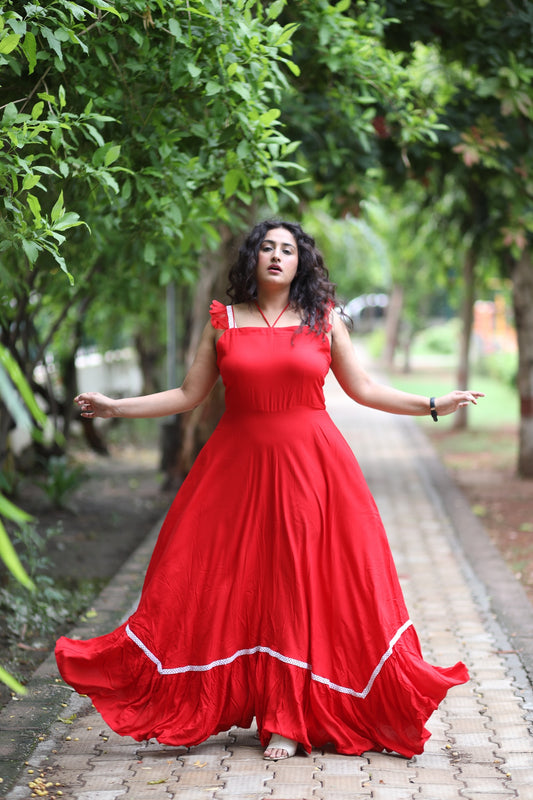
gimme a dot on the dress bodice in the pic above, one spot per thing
(270, 369)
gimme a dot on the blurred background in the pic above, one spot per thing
(140, 140)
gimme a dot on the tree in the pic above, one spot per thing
(344, 79)
(157, 122)
(488, 142)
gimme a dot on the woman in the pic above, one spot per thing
(271, 592)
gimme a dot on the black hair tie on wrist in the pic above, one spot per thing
(432, 409)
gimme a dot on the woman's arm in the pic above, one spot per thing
(198, 382)
(361, 387)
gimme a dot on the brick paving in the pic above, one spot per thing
(53, 744)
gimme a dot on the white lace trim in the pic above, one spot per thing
(285, 659)
(231, 317)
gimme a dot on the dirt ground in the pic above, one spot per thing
(121, 499)
(502, 500)
(109, 514)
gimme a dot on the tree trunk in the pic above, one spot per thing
(149, 353)
(392, 324)
(184, 436)
(467, 320)
(523, 311)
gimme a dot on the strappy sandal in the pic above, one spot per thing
(277, 742)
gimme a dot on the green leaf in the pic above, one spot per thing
(232, 179)
(193, 69)
(342, 6)
(68, 220)
(268, 117)
(35, 207)
(15, 373)
(232, 69)
(11, 682)
(112, 154)
(18, 25)
(275, 8)
(31, 250)
(294, 68)
(12, 401)
(59, 208)
(10, 557)
(10, 511)
(106, 7)
(175, 28)
(241, 89)
(150, 254)
(272, 198)
(37, 110)
(95, 134)
(30, 181)
(8, 43)
(29, 48)
(212, 88)
(10, 115)
(288, 31)
(52, 40)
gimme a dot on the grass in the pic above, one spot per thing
(498, 409)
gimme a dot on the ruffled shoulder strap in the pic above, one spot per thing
(222, 316)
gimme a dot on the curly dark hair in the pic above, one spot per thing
(311, 293)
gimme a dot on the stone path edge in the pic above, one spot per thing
(507, 599)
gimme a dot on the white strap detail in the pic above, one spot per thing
(285, 659)
(231, 317)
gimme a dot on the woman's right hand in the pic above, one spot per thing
(95, 404)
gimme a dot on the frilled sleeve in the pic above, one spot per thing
(219, 315)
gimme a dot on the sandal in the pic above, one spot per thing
(277, 742)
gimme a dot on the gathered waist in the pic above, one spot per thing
(236, 413)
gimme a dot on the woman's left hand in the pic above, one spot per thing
(449, 403)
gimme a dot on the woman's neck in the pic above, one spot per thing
(273, 301)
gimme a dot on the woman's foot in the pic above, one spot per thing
(280, 747)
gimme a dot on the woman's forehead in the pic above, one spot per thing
(280, 236)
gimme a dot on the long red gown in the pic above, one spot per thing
(271, 592)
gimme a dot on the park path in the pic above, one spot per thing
(481, 746)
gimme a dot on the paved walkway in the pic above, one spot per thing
(481, 747)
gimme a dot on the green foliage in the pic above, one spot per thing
(20, 401)
(62, 478)
(354, 252)
(440, 339)
(486, 59)
(353, 93)
(188, 88)
(132, 133)
(500, 366)
(39, 613)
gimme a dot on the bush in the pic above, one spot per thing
(62, 478)
(500, 366)
(38, 613)
(441, 338)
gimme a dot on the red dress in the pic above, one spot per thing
(271, 592)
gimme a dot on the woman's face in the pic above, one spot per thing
(277, 261)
